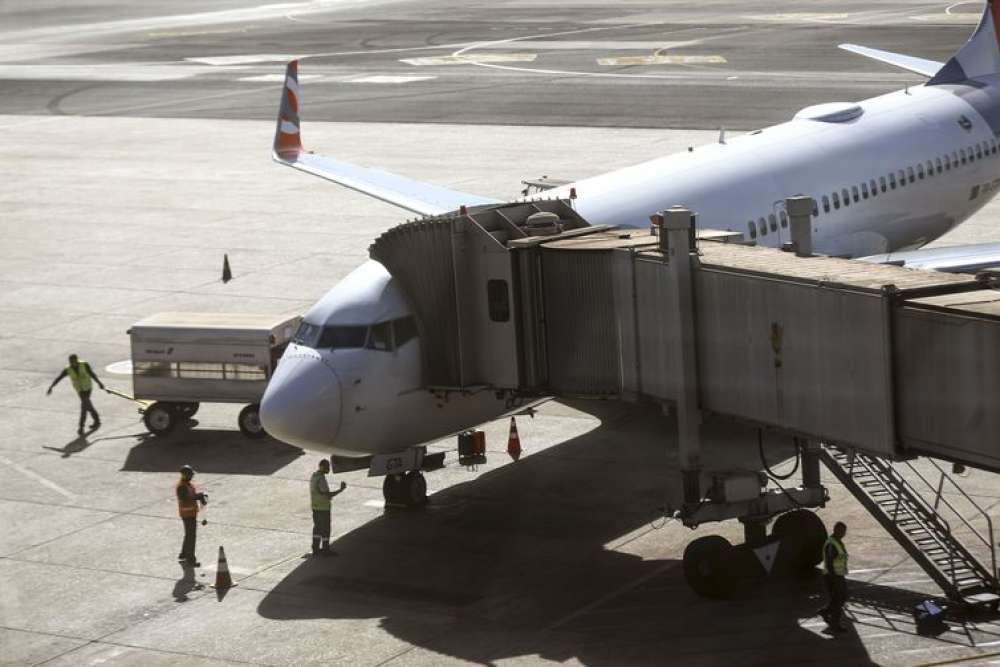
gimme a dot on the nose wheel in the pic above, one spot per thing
(405, 490)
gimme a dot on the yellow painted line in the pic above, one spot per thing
(799, 16)
(662, 60)
(472, 58)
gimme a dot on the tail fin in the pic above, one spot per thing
(287, 140)
(980, 55)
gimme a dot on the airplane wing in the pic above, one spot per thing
(920, 66)
(950, 259)
(412, 195)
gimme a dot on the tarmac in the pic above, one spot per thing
(120, 194)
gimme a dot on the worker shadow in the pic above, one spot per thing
(186, 584)
(74, 446)
(887, 608)
(560, 556)
(209, 451)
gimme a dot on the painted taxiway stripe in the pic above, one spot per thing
(390, 79)
(136, 72)
(244, 59)
(798, 16)
(661, 60)
(48, 483)
(319, 78)
(472, 59)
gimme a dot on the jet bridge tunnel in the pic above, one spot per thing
(889, 360)
(861, 363)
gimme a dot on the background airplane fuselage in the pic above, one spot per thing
(747, 178)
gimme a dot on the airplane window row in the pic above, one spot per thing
(385, 336)
(893, 180)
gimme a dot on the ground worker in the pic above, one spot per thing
(80, 373)
(320, 495)
(835, 566)
(187, 506)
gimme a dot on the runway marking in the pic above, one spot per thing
(661, 60)
(119, 367)
(462, 59)
(385, 78)
(198, 33)
(245, 59)
(280, 78)
(953, 19)
(48, 483)
(136, 72)
(799, 16)
(959, 4)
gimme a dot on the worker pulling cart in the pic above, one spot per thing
(181, 360)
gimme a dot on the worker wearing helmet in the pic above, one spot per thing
(187, 506)
(835, 566)
(80, 374)
(320, 495)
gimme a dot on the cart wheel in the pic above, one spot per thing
(159, 418)
(187, 410)
(249, 422)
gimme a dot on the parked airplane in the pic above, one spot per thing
(888, 173)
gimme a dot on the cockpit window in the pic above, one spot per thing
(308, 334)
(378, 337)
(335, 337)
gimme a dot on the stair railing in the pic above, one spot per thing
(940, 499)
(887, 475)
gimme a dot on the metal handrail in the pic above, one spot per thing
(894, 475)
(988, 541)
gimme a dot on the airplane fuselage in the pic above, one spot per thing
(741, 184)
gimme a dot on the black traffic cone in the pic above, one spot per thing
(227, 274)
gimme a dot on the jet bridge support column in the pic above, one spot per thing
(678, 246)
(800, 210)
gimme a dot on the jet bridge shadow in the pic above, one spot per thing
(560, 556)
(208, 451)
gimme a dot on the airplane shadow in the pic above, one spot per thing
(535, 558)
(209, 451)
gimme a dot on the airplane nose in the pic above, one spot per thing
(301, 405)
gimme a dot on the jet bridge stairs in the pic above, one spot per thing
(867, 367)
(918, 525)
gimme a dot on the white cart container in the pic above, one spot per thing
(180, 360)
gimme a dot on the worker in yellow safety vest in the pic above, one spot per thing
(80, 374)
(319, 495)
(187, 506)
(835, 571)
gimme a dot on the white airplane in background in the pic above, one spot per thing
(889, 173)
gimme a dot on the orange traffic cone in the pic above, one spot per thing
(227, 274)
(223, 579)
(513, 441)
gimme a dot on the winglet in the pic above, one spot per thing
(287, 139)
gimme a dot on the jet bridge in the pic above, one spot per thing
(891, 363)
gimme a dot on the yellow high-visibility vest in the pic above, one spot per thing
(80, 377)
(320, 501)
(839, 561)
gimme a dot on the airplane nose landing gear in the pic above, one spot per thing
(405, 489)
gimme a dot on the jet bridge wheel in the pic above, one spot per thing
(160, 418)
(802, 536)
(707, 569)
